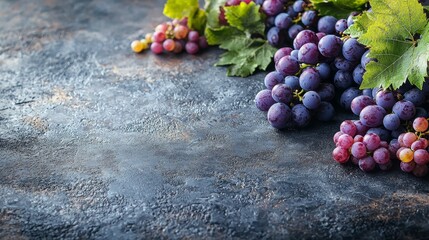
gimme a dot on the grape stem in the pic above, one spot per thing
(298, 94)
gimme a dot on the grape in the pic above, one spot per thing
(367, 92)
(300, 115)
(282, 52)
(352, 50)
(303, 37)
(381, 155)
(416, 96)
(381, 132)
(385, 99)
(350, 19)
(385, 167)
(202, 42)
(326, 92)
(343, 64)
(375, 91)
(192, 48)
(407, 167)
(404, 109)
(178, 47)
(348, 96)
(420, 124)
(278, 115)
(341, 26)
(365, 59)
(169, 45)
(358, 138)
(156, 47)
(159, 37)
(404, 88)
(193, 36)
(340, 155)
(163, 27)
(348, 127)
(324, 70)
(406, 155)
(360, 102)
(420, 170)
(358, 150)
(309, 18)
(311, 100)
(309, 79)
(330, 46)
(372, 116)
(148, 37)
(358, 74)
(361, 129)
(308, 53)
(292, 13)
(294, 30)
(137, 46)
(367, 164)
(288, 66)
(345, 141)
(298, 6)
(326, 24)
(264, 100)
(320, 35)
(408, 139)
(391, 121)
(393, 147)
(275, 37)
(292, 82)
(399, 151)
(343, 79)
(283, 21)
(272, 79)
(180, 32)
(421, 157)
(325, 112)
(336, 136)
(371, 141)
(282, 93)
(354, 160)
(294, 54)
(272, 7)
(421, 143)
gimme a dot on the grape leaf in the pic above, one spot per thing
(180, 8)
(245, 56)
(360, 26)
(212, 8)
(245, 17)
(197, 20)
(338, 8)
(398, 36)
(216, 36)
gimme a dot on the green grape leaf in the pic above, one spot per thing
(180, 8)
(338, 8)
(245, 56)
(216, 36)
(398, 36)
(197, 20)
(212, 8)
(360, 26)
(245, 17)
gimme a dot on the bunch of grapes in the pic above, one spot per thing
(174, 36)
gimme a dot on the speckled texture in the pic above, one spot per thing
(99, 143)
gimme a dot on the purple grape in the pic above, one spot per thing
(283, 21)
(381, 155)
(324, 70)
(341, 155)
(381, 132)
(341, 26)
(371, 141)
(202, 42)
(359, 150)
(360, 102)
(367, 164)
(311, 100)
(320, 35)
(294, 30)
(288, 66)
(385, 99)
(375, 91)
(294, 54)
(282, 93)
(292, 13)
(358, 73)
(421, 156)
(345, 65)
(309, 18)
(372, 116)
(282, 52)
(404, 109)
(393, 148)
(348, 96)
(407, 167)
(391, 121)
(264, 100)
(361, 128)
(325, 112)
(345, 141)
(326, 92)
(275, 37)
(348, 127)
(343, 79)
(353, 50)
(330, 46)
(279, 115)
(350, 19)
(272, 7)
(272, 79)
(367, 92)
(326, 24)
(416, 96)
(192, 48)
(308, 53)
(292, 82)
(364, 59)
(300, 115)
(298, 6)
(309, 79)
(269, 23)
(303, 37)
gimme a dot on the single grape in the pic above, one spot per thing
(361, 128)
(348, 96)
(311, 100)
(282, 52)
(391, 121)
(404, 109)
(341, 26)
(264, 100)
(272, 79)
(350, 18)
(367, 92)
(309, 79)
(336, 136)
(325, 112)
(298, 6)
(320, 35)
(421, 143)
(283, 21)
(148, 38)
(372, 116)
(348, 127)
(360, 102)
(359, 150)
(365, 59)
(294, 30)
(288, 66)
(367, 164)
(158, 37)
(330, 46)
(292, 82)
(292, 13)
(358, 138)
(358, 73)
(340, 155)
(169, 45)
(399, 151)
(282, 93)
(294, 54)
(343, 79)
(420, 124)
(407, 166)
(409, 138)
(275, 37)
(279, 115)
(303, 37)
(163, 27)
(137, 46)
(178, 47)
(272, 7)
(180, 32)
(345, 141)
(309, 18)
(353, 50)
(326, 92)
(420, 170)
(393, 147)
(326, 24)
(371, 141)
(192, 48)
(193, 36)
(300, 115)
(156, 47)
(354, 160)
(385, 99)
(406, 155)
(344, 64)
(421, 157)
(416, 96)
(309, 54)
(381, 155)
(202, 42)
(375, 91)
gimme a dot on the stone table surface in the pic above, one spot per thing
(99, 143)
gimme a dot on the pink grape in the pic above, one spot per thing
(421, 157)
(381, 155)
(359, 150)
(407, 167)
(372, 141)
(340, 155)
(156, 47)
(348, 127)
(345, 141)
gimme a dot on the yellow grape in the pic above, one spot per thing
(137, 46)
(406, 155)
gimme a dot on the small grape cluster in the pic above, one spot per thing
(174, 36)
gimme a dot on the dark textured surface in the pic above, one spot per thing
(100, 143)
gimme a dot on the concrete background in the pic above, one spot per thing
(97, 142)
